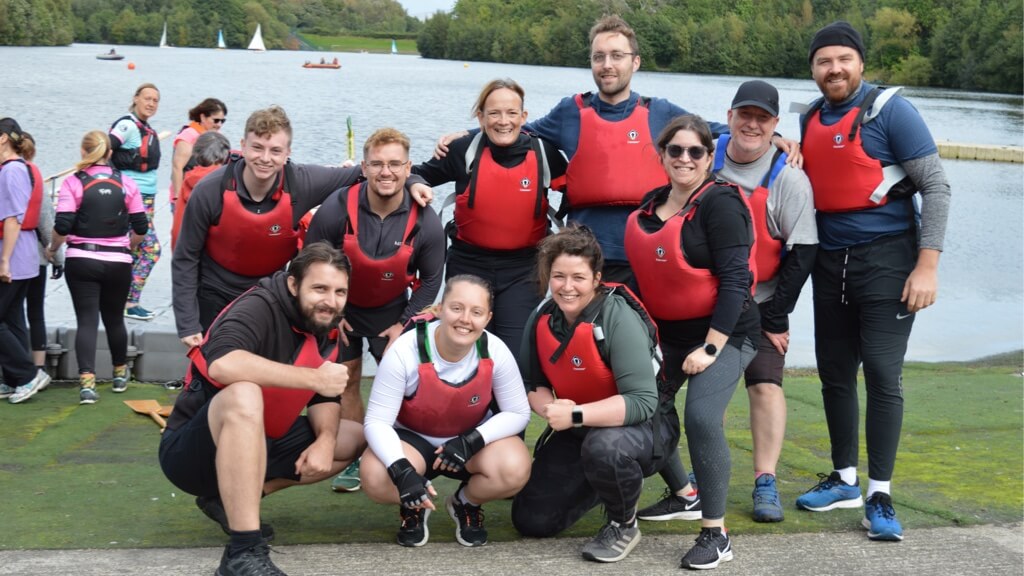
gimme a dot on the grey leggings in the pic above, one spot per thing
(707, 396)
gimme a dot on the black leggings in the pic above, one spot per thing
(34, 303)
(99, 289)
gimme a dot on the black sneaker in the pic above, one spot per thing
(414, 531)
(672, 507)
(713, 547)
(214, 510)
(613, 543)
(253, 562)
(469, 522)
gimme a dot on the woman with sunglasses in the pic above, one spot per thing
(207, 115)
(691, 246)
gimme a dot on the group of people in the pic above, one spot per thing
(686, 248)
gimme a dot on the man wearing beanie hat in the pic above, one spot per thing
(867, 152)
(787, 241)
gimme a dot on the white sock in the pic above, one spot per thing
(848, 475)
(462, 497)
(878, 486)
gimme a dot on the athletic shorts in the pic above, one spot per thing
(367, 323)
(426, 450)
(767, 366)
(188, 454)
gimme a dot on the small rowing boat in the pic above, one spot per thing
(112, 55)
(334, 65)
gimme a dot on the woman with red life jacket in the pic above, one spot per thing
(208, 115)
(211, 151)
(502, 177)
(429, 415)
(136, 147)
(588, 360)
(20, 202)
(691, 246)
(96, 207)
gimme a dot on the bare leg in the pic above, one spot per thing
(352, 401)
(500, 470)
(236, 424)
(767, 425)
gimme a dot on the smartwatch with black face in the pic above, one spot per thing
(577, 417)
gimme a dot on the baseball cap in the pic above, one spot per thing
(757, 93)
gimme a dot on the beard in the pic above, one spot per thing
(316, 327)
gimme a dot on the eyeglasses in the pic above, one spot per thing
(377, 165)
(219, 120)
(600, 57)
(695, 152)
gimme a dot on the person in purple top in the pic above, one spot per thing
(19, 263)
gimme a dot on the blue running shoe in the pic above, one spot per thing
(830, 493)
(767, 507)
(138, 313)
(880, 518)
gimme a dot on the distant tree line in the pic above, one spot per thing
(966, 44)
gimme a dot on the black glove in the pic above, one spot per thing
(457, 451)
(58, 272)
(412, 487)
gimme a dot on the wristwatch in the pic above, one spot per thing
(577, 417)
(710, 349)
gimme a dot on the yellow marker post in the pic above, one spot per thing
(351, 140)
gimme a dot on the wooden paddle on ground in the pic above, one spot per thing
(150, 408)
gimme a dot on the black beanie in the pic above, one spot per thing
(838, 33)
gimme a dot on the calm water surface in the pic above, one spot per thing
(59, 93)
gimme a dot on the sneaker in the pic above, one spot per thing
(348, 480)
(138, 313)
(712, 547)
(469, 522)
(29, 389)
(88, 395)
(671, 507)
(414, 531)
(880, 518)
(830, 493)
(767, 507)
(5, 391)
(214, 510)
(613, 542)
(252, 562)
(120, 380)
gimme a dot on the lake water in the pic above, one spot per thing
(60, 93)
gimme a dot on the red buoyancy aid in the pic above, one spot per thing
(578, 373)
(842, 174)
(281, 406)
(35, 200)
(615, 163)
(377, 281)
(672, 288)
(147, 157)
(439, 408)
(248, 243)
(503, 208)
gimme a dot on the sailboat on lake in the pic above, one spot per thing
(220, 40)
(256, 44)
(163, 37)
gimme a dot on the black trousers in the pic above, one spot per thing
(15, 359)
(99, 289)
(34, 306)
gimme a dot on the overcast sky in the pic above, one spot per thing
(423, 8)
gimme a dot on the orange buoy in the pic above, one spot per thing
(131, 65)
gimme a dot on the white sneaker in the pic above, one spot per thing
(5, 391)
(26, 391)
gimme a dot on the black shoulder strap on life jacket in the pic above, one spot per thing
(865, 106)
(811, 111)
(644, 101)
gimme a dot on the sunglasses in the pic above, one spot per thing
(695, 152)
(219, 120)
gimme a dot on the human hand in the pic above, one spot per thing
(779, 341)
(441, 149)
(921, 289)
(316, 460)
(414, 491)
(422, 194)
(453, 454)
(792, 150)
(697, 362)
(559, 414)
(333, 379)
(193, 340)
(392, 334)
(346, 329)
(5, 271)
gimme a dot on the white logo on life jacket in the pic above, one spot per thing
(474, 400)
(838, 139)
(105, 191)
(275, 230)
(633, 135)
(524, 185)
(387, 275)
(659, 252)
(577, 363)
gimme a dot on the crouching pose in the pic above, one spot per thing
(236, 433)
(428, 416)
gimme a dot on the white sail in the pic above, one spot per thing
(220, 39)
(257, 40)
(163, 37)
(394, 47)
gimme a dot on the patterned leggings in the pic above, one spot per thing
(145, 256)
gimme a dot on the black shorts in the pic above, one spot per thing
(188, 454)
(426, 450)
(367, 323)
(767, 366)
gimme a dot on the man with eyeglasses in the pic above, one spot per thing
(782, 206)
(393, 245)
(608, 137)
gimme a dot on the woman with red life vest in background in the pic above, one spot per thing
(211, 151)
(589, 363)
(96, 207)
(208, 115)
(502, 177)
(428, 415)
(21, 197)
(691, 247)
(136, 147)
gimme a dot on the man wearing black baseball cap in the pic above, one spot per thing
(787, 241)
(867, 152)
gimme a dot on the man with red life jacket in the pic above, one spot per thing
(868, 153)
(237, 433)
(787, 241)
(391, 242)
(242, 221)
(608, 137)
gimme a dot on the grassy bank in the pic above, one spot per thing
(87, 476)
(359, 44)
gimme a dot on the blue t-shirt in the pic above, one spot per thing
(127, 132)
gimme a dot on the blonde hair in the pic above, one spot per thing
(131, 107)
(385, 136)
(95, 148)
